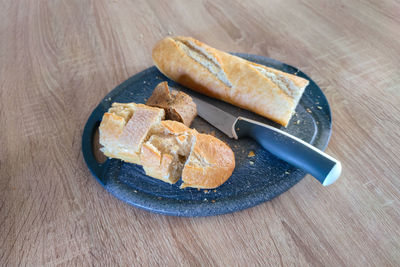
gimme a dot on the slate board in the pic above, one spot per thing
(250, 184)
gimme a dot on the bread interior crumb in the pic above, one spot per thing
(177, 145)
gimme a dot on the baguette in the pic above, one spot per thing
(266, 91)
(167, 150)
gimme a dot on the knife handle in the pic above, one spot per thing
(291, 149)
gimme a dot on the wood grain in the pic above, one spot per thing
(59, 58)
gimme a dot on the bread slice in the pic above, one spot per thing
(164, 154)
(167, 150)
(178, 106)
(125, 127)
(263, 90)
(175, 151)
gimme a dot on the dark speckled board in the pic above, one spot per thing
(254, 180)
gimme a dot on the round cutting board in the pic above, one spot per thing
(255, 179)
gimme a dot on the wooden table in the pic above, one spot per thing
(58, 59)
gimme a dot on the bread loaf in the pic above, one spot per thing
(263, 90)
(167, 150)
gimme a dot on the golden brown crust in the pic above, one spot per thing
(160, 96)
(210, 164)
(136, 134)
(265, 91)
(175, 127)
(183, 108)
(178, 106)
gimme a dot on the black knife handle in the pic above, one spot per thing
(291, 149)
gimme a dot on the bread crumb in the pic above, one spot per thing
(287, 172)
(206, 191)
(213, 201)
(317, 102)
(319, 107)
(215, 190)
(308, 110)
(212, 133)
(134, 191)
(296, 122)
(251, 154)
(237, 129)
(205, 200)
(198, 189)
(317, 122)
(251, 162)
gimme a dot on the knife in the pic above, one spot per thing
(287, 147)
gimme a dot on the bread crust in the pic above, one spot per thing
(265, 91)
(175, 127)
(124, 128)
(167, 150)
(210, 163)
(178, 106)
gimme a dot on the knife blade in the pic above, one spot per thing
(285, 146)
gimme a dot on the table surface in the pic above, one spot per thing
(58, 59)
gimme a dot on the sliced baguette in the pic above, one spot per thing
(263, 90)
(167, 150)
(178, 106)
